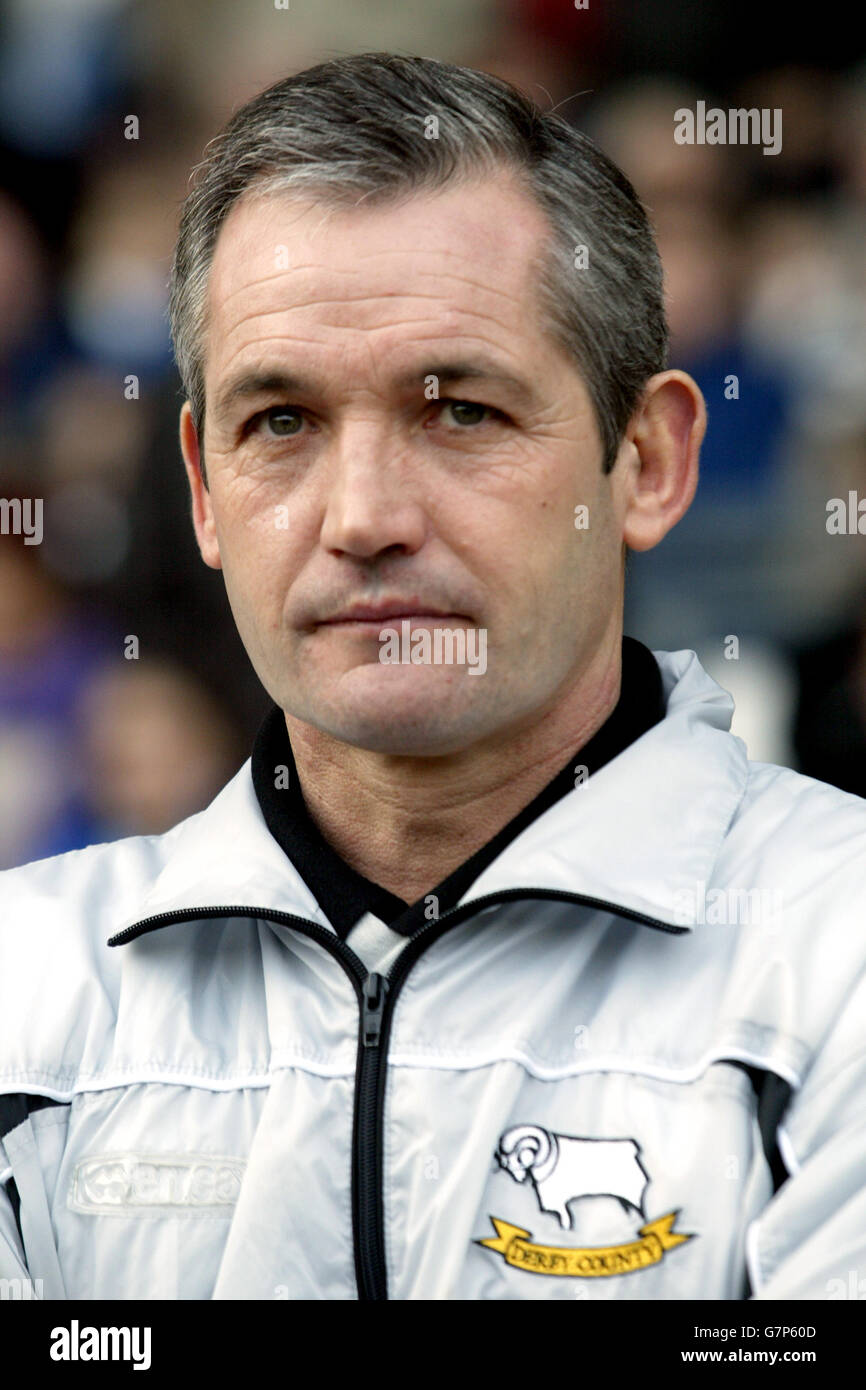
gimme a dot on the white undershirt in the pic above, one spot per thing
(377, 945)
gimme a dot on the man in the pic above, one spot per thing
(499, 972)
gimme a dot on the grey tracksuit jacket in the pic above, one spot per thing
(629, 1064)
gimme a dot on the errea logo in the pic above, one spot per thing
(156, 1184)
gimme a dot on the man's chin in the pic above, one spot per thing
(410, 712)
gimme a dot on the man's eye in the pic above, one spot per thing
(281, 421)
(467, 412)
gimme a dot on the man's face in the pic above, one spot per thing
(350, 484)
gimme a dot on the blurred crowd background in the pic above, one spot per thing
(765, 262)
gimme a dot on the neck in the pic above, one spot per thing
(407, 822)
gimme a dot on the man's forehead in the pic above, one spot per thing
(482, 235)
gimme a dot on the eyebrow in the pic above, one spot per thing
(247, 385)
(481, 369)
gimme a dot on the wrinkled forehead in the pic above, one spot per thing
(468, 251)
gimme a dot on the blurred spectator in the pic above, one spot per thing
(31, 339)
(633, 122)
(218, 53)
(60, 65)
(121, 241)
(157, 747)
(830, 719)
(49, 649)
(166, 594)
(92, 746)
(710, 576)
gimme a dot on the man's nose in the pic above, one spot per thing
(372, 498)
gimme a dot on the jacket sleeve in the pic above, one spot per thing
(810, 1240)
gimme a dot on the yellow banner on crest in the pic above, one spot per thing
(515, 1244)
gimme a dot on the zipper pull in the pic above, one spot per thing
(375, 989)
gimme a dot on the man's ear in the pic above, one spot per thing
(663, 441)
(202, 511)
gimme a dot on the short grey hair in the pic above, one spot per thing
(359, 127)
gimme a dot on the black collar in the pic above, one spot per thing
(345, 895)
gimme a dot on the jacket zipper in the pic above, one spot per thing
(376, 998)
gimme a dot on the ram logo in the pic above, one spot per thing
(562, 1168)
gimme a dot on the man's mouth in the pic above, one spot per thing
(374, 615)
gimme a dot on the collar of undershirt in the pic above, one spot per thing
(345, 895)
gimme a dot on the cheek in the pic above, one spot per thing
(575, 561)
(246, 516)
(242, 510)
(257, 566)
